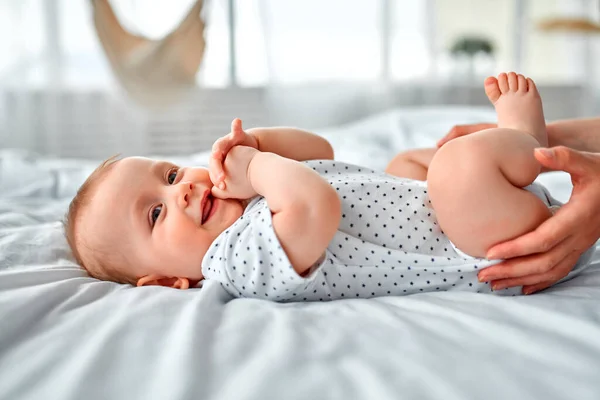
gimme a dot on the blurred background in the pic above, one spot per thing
(91, 78)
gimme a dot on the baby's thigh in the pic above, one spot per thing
(475, 204)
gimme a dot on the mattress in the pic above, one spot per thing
(65, 335)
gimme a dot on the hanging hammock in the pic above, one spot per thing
(573, 25)
(581, 25)
(153, 72)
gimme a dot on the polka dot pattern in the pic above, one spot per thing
(388, 243)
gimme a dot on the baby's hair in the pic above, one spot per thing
(99, 264)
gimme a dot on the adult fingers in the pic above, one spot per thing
(562, 269)
(561, 158)
(545, 237)
(462, 130)
(456, 131)
(530, 289)
(551, 277)
(528, 265)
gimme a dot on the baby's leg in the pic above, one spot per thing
(411, 164)
(475, 182)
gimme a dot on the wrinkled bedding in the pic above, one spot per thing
(67, 336)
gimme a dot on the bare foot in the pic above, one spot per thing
(518, 104)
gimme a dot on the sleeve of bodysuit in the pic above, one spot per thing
(249, 261)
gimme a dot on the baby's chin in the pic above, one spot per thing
(236, 209)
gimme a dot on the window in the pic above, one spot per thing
(292, 42)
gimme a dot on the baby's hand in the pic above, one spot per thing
(237, 184)
(221, 147)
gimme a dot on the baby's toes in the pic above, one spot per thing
(531, 88)
(522, 82)
(503, 82)
(513, 82)
(491, 89)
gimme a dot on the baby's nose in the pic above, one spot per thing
(185, 191)
(186, 196)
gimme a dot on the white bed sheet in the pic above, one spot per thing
(67, 336)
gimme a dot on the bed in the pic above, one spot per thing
(67, 336)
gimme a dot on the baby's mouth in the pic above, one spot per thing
(206, 207)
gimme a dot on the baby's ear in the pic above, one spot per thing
(157, 280)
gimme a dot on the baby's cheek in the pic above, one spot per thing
(185, 236)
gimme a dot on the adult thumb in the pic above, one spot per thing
(563, 158)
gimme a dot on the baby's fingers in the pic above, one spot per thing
(222, 146)
(236, 129)
(220, 193)
(215, 168)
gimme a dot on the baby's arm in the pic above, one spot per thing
(293, 143)
(306, 209)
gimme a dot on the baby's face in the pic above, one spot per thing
(162, 218)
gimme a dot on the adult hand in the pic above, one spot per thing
(462, 130)
(540, 258)
(222, 146)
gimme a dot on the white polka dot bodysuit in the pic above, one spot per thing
(388, 243)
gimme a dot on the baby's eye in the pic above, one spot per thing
(172, 176)
(155, 214)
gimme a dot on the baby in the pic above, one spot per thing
(274, 228)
